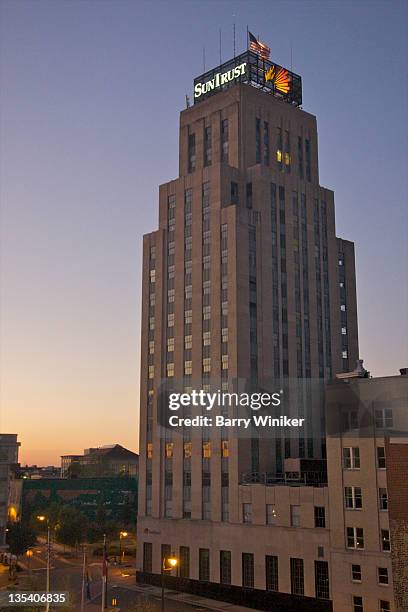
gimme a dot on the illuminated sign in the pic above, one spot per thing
(253, 70)
(218, 80)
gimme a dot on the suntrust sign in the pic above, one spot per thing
(251, 69)
(219, 79)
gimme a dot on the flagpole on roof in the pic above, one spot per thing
(220, 48)
(247, 38)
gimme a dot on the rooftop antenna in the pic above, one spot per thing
(291, 56)
(187, 101)
(233, 30)
(204, 58)
(220, 48)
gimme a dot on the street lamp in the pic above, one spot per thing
(123, 534)
(42, 519)
(168, 564)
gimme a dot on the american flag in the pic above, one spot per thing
(259, 47)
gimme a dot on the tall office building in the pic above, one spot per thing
(244, 283)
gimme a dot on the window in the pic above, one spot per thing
(270, 514)
(188, 342)
(308, 160)
(206, 450)
(383, 418)
(266, 143)
(170, 345)
(320, 516)
(322, 579)
(191, 153)
(206, 338)
(249, 195)
(169, 450)
(356, 572)
(207, 364)
(295, 516)
(381, 457)
(384, 606)
(296, 576)
(234, 192)
(170, 319)
(355, 537)
(385, 540)
(351, 458)
(247, 513)
(383, 498)
(224, 334)
(204, 564)
(248, 570)
(149, 450)
(207, 146)
(224, 448)
(382, 575)
(147, 556)
(353, 498)
(271, 572)
(224, 140)
(187, 447)
(225, 566)
(357, 603)
(170, 370)
(184, 562)
(188, 368)
(151, 371)
(257, 141)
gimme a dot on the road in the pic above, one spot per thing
(66, 575)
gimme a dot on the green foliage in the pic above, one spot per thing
(72, 526)
(20, 537)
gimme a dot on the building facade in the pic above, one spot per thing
(244, 283)
(8, 462)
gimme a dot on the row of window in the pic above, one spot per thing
(351, 457)
(208, 155)
(358, 605)
(353, 498)
(271, 565)
(355, 538)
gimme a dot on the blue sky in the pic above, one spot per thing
(90, 96)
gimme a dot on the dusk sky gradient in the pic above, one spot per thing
(90, 98)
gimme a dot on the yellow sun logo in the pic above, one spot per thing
(280, 78)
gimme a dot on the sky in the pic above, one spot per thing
(90, 99)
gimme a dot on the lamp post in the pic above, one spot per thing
(123, 534)
(168, 564)
(42, 518)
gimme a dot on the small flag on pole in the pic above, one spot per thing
(259, 47)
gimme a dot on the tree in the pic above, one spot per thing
(20, 537)
(72, 526)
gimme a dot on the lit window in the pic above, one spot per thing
(149, 450)
(188, 316)
(207, 364)
(224, 362)
(356, 573)
(385, 540)
(224, 448)
(206, 450)
(279, 156)
(188, 368)
(344, 354)
(188, 342)
(344, 331)
(343, 308)
(206, 338)
(169, 450)
(355, 537)
(287, 159)
(187, 449)
(270, 514)
(382, 575)
(170, 370)
(170, 319)
(170, 345)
